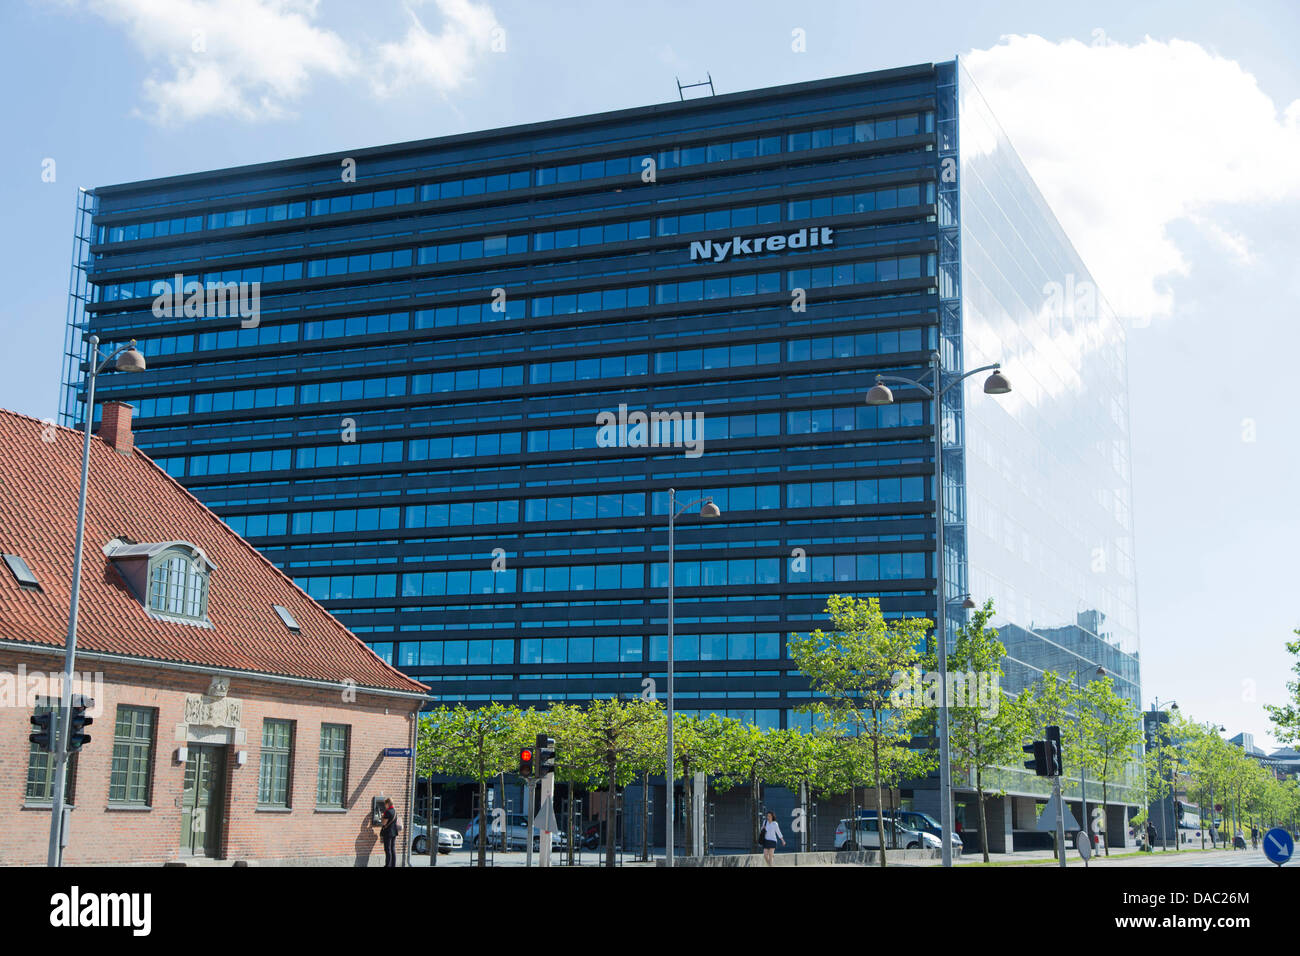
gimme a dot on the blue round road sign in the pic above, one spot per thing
(1278, 845)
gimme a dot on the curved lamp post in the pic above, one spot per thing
(707, 510)
(880, 394)
(1173, 785)
(124, 359)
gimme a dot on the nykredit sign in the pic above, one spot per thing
(712, 250)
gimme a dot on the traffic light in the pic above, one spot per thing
(545, 755)
(1178, 810)
(77, 737)
(42, 734)
(1039, 764)
(1055, 767)
(526, 762)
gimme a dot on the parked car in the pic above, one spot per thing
(866, 836)
(516, 828)
(916, 820)
(448, 839)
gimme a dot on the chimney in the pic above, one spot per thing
(115, 427)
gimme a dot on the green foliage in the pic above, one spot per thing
(1286, 717)
(852, 669)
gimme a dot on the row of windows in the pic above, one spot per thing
(820, 494)
(367, 262)
(591, 235)
(654, 434)
(486, 247)
(867, 200)
(862, 132)
(720, 572)
(852, 273)
(588, 650)
(614, 366)
(131, 771)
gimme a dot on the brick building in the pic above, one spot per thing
(234, 718)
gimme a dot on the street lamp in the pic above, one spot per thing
(1083, 780)
(707, 510)
(1173, 786)
(124, 359)
(880, 394)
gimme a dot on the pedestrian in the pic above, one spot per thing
(1254, 837)
(388, 832)
(1151, 836)
(771, 833)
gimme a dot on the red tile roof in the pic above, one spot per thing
(130, 496)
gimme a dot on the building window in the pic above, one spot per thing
(274, 774)
(132, 769)
(40, 769)
(178, 585)
(331, 783)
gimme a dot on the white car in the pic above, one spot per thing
(448, 840)
(867, 836)
(516, 828)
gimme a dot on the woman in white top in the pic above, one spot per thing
(771, 833)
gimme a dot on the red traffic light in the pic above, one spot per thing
(525, 755)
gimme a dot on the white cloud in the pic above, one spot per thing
(1125, 140)
(252, 59)
(440, 60)
(238, 58)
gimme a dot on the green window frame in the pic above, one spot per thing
(40, 768)
(275, 770)
(331, 782)
(130, 777)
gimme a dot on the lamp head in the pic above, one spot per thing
(880, 394)
(710, 510)
(130, 360)
(996, 383)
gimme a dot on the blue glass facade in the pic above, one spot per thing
(411, 427)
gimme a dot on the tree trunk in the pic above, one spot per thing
(610, 814)
(880, 804)
(573, 834)
(688, 807)
(984, 819)
(645, 816)
(1105, 828)
(482, 822)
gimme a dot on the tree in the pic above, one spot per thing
(851, 670)
(619, 744)
(574, 761)
(478, 743)
(1286, 717)
(1050, 701)
(698, 743)
(981, 738)
(1109, 733)
(747, 755)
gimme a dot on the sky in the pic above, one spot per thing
(1165, 135)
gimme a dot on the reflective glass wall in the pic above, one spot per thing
(1049, 523)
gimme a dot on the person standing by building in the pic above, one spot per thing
(388, 831)
(771, 833)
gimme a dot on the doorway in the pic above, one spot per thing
(201, 800)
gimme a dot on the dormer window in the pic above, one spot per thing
(178, 584)
(169, 577)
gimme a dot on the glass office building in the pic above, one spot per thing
(431, 415)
